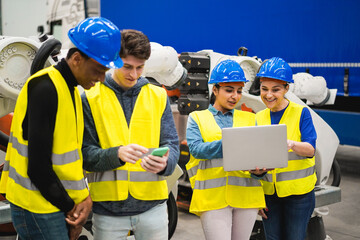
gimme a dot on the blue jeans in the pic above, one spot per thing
(31, 225)
(152, 224)
(288, 217)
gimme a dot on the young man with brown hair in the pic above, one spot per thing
(125, 117)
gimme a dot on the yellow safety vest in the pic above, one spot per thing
(299, 177)
(66, 150)
(113, 130)
(214, 188)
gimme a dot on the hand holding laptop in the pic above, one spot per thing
(258, 171)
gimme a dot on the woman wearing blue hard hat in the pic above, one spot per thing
(289, 192)
(227, 202)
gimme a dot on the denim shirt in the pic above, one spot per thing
(207, 150)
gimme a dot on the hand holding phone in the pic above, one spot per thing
(160, 151)
(155, 162)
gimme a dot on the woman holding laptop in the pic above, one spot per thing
(227, 202)
(289, 192)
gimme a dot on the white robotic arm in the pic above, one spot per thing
(313, 89)
(164, 66)
(16, 57)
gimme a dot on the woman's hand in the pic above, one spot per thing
(258, 171)
(301, 148)
(290, 144)
(262, 214)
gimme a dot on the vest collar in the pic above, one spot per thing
(216, 112)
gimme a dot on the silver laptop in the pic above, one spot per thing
(245, 148)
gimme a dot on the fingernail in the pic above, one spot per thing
(266, 209)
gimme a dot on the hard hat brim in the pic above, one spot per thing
(228, 81)
(275, 78)
(118, 63)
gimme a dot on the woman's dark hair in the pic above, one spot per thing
(213, 97)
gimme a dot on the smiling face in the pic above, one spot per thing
(273, 92)
(87, 71)
(128, 75)
(227, 96)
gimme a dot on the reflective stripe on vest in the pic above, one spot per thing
(300, 175)
(21, 148)
(145, 177)
(211, 183)
(232, 180)
(117, 175)
(26, 182)
(213, 188)
(244, 182)
(122, 175)
(268, 178)
(192, 171)
(6, 166)
(211, 163)
(286, 176)
(143, 129)
(57, 159)
(291, 156)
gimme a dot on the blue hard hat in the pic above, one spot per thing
(227, 71)
(276, 68)
(99, 39)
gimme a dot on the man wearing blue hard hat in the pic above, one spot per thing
(43, 177)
